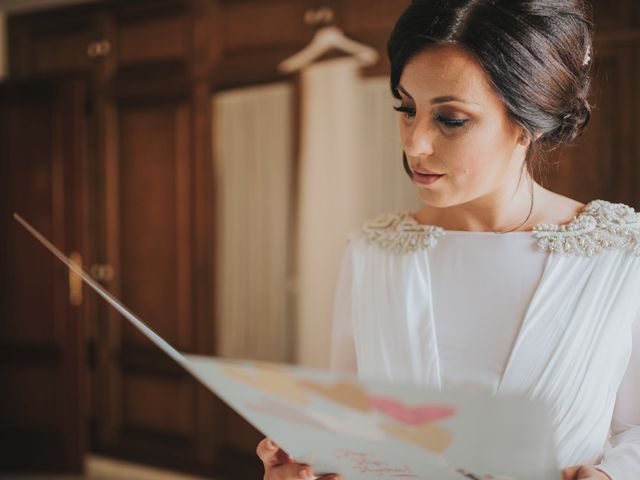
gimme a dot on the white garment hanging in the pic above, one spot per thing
(252, 174)
(493, 312)
(329, 204)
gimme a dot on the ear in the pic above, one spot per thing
(524, 139)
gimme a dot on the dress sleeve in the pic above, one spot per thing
(343, 352)
(621, 460)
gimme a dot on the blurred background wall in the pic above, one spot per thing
(3, 45)
(158, 143)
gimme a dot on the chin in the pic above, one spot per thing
(434, 199)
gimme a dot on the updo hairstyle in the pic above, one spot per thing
(536, 54)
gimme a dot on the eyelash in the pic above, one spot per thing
(447, 122)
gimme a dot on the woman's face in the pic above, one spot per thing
(453, 123)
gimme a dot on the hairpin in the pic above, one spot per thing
(587, 56)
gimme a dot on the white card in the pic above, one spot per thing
(369, 430)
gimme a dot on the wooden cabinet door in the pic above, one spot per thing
(147, 408)
(147, 399)
(41, 339)
(55, 42)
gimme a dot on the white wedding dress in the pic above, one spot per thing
(552, 313)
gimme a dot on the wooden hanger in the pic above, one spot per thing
(325, 39)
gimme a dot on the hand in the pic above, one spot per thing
(582, 472)
(278, 465)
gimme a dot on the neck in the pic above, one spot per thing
(501, 211)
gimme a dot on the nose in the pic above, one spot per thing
(418, 141)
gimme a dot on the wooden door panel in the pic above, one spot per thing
(618, 15)
(254, 36)
(254, 24)
(375, 17)
(46, 44)
(41, 343)
(153, 39)
(61, 51)
(29, 193)
(174, 416)
(155, 409)
(154, 240)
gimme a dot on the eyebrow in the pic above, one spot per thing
(438, 100)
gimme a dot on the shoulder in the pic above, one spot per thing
(555, 208)
(600, 225)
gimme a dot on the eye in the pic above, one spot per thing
(409, 112)
(451, 122)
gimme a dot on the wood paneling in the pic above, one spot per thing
(154, 216)
(42, 47)
(149, 166)
(62, 50)
(153, 39)
(21, 406)
(174, 415)
(41, 178)
(156, 231)
(377, 18)
(259, 24)
(149, 201)
(158, 82)
(618, 15)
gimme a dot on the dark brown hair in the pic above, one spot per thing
(536, 54)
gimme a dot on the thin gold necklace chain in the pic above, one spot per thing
(528, 216)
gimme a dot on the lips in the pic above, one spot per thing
(424, 171)
(425, 177)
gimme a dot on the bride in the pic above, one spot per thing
(497, 283)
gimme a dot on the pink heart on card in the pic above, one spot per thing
(411, 415)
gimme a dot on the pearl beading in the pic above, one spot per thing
(601, 225)
(401, 233)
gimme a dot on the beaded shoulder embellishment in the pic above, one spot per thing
(600, 226)
(401, 233)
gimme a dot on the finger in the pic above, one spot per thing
(603, 473)
(281, 457)
(330, 476)
(272, 455)
(267, 450)
(570, 473)
(289, 471)
(586, 474)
